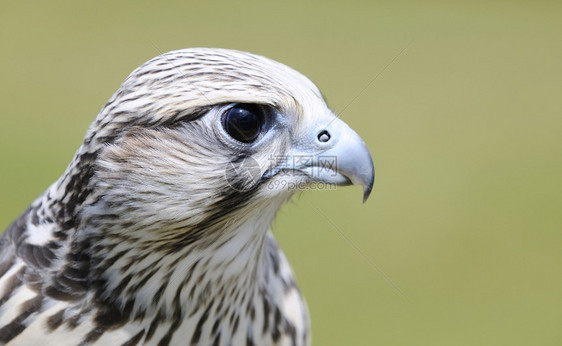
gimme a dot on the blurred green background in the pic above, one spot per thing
(461, 105)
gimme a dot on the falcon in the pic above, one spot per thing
(158, 232)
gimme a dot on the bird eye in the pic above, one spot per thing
(243, 122)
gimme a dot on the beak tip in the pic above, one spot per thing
(368, 183)
(367, 192)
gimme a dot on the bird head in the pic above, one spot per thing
(195, 134)
(178, 180)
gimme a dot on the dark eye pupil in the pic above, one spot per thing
(243, 123)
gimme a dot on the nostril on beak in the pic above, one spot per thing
(324, 136)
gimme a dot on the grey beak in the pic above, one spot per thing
(353, 159)
(344, 158)
(355, 162)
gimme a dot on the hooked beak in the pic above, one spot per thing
(352, 161)
(335, 154)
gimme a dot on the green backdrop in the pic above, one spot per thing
(461, 241)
